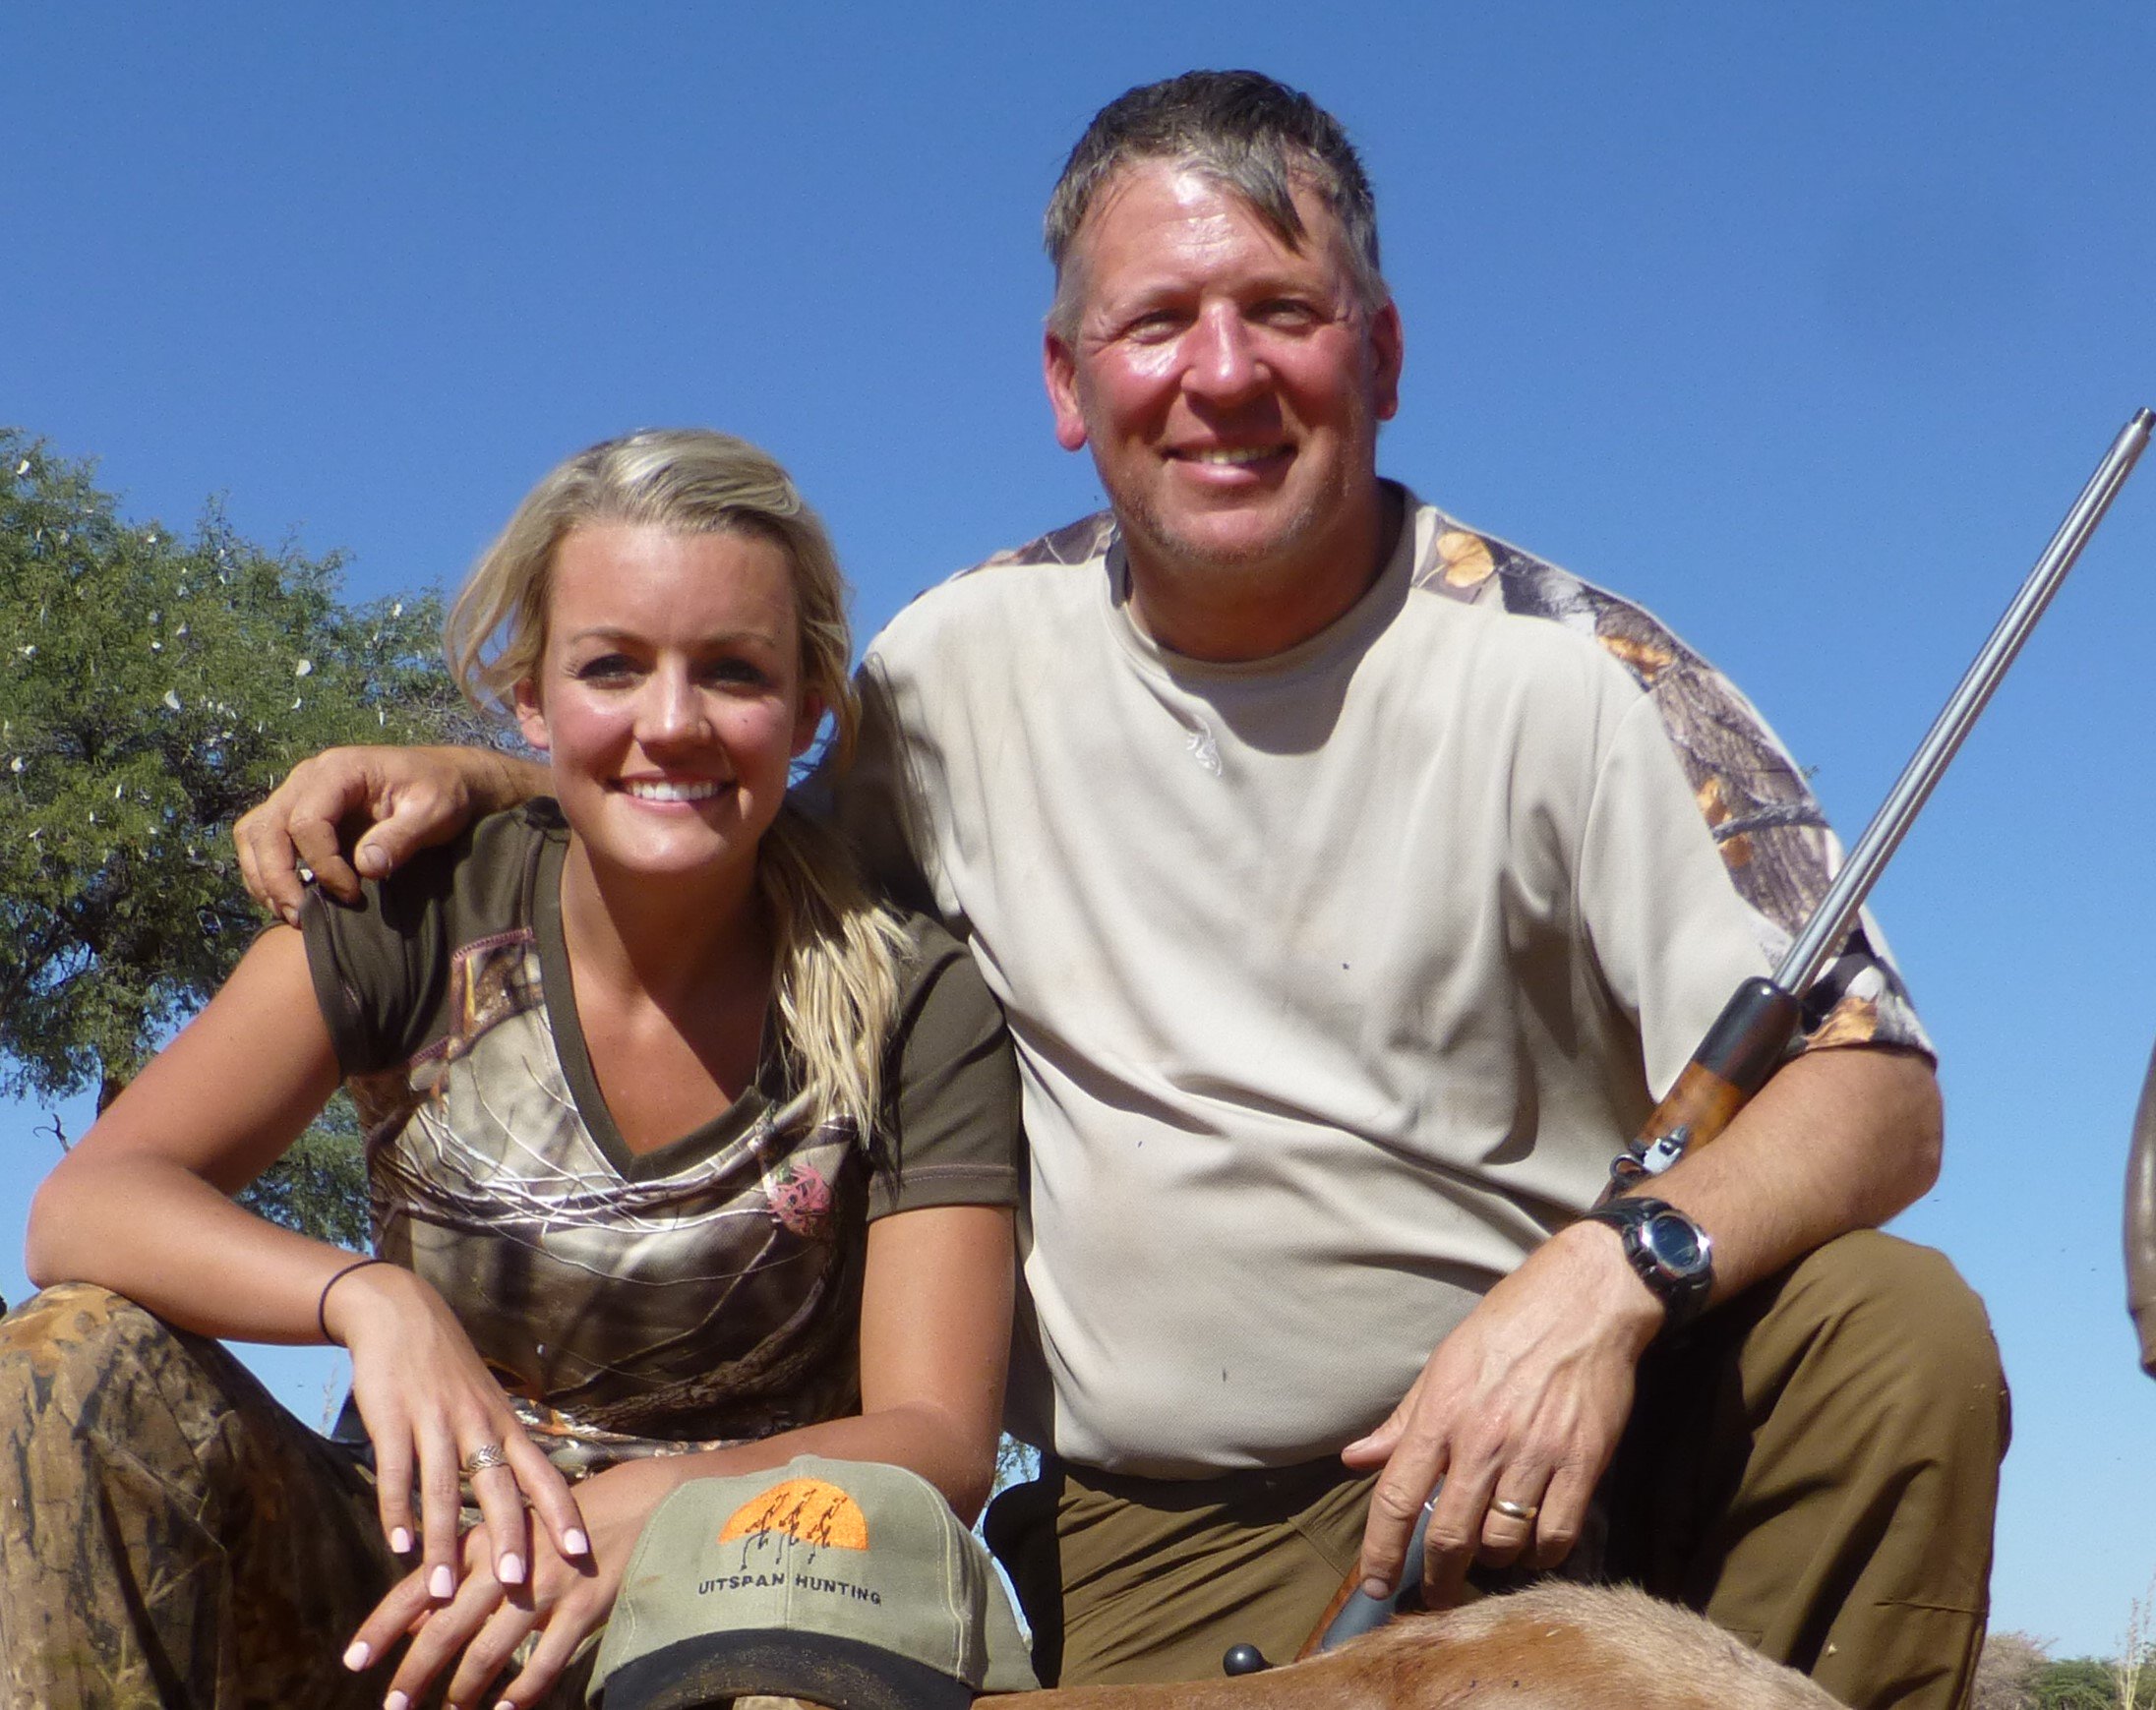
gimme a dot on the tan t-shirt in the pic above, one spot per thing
(1337, 979)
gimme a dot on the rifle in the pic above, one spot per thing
(1747, 1042)
(1749, 1038)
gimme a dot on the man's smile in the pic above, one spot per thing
(1234, 455)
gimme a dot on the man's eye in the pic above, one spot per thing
(1286, 313)
(1154, 327)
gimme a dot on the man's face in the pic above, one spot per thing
(1230, 386)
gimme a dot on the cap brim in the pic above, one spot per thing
(842, 1672)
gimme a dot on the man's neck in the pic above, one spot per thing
(1226, 614)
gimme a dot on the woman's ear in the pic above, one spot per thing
(531, 718)
(810, 721)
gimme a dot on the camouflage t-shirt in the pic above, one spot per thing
(704, 1293)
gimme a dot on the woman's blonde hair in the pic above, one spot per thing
(834, 951)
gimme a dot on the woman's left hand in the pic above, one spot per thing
(562, 1599)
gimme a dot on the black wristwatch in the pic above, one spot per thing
(1672, 1254)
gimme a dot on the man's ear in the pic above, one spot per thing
(1059, 367)
(1389, 353)
(531, 718)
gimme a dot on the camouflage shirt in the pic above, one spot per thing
(702, 1293)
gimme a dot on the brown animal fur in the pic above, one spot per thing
(1552, 1647)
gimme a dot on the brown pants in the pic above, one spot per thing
(170, 1536)
(1814, 1467)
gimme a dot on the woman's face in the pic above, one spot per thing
(669, 698)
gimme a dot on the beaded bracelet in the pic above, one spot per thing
(321, 1306)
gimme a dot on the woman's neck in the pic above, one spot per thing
(674, 942)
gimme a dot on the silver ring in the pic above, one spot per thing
(485, 1456)
(1523, 1512)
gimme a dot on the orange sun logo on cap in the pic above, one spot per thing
(817, 1514)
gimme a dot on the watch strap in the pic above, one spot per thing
(1682, 1292)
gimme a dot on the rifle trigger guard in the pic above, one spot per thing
(1665, 1150)
(1638, 1161)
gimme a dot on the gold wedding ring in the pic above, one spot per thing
(1523, 1512)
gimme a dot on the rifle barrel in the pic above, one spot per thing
(1832, 919)
(1747, 1042)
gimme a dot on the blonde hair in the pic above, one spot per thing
(834, 951)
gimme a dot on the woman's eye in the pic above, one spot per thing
(734, 672)
(606, 667)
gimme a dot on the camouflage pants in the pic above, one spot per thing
(169, 1535)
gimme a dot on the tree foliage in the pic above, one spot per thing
(152, 689)
(2085, 1683)
(2006, 1672)
(2017, 1673)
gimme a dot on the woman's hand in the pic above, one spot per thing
(482, 1627)
(936, 1326)
(431, 1405)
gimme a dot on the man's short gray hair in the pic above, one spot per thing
(1248, 133)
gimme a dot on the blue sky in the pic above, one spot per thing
(1801, 323)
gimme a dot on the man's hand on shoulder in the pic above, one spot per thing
(393, 802)
(1519, 1411)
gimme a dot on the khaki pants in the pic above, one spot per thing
(170, 1536)
(1814, 1467)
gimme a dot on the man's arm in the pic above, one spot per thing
(1527, 1399)
(1524, 1402)
(393, 802)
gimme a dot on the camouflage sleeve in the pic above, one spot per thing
(1773, 836)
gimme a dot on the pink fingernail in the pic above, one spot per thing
(441, 1583)
(510, 1570)
(397, 1701)
(575, 1543)
(400, 1541)
(359, 1656)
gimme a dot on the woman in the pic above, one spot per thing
(665, 1121)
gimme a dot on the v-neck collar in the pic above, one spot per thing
(559, 987)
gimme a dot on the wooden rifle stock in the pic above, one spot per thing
(1751, 1037)
(1740, 1052)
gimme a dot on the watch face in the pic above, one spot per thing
(1674, 1243)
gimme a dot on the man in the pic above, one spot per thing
(1349, 881)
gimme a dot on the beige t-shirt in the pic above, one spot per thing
(1337, 979)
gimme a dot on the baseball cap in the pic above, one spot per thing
(846, 1583)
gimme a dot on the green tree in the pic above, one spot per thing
(2091, 1683)
(152, 689)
